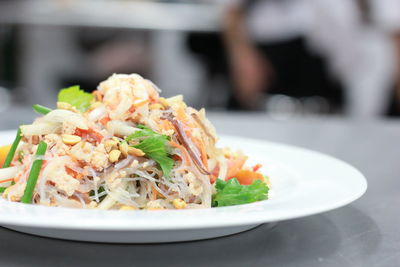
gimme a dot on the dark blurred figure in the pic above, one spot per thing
(266, 56)
(389, 19)
(394, 109)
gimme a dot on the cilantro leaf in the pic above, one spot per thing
(231, 192)
(154, 145)
(143, 132)
(76, 97)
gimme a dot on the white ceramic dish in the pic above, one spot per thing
(304, 183)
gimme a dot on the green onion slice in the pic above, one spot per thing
(13, 148)
(34, 173)
(41, 109)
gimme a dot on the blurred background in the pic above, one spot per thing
(283, 57)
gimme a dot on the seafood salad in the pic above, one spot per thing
(124, 147)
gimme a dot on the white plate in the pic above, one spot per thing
(304, 183)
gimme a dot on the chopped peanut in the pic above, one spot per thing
(179, 203)
(114, 155)
(110, 145)
(123, 147)
(70, 139)
(135, 152)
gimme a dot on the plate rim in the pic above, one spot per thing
(193, 225)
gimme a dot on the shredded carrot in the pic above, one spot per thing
(181, 115)
(138, 105)
(200, 145)
(183, 149)
(142, 103)
(204, 154)
(70, 171)
(153, 193)
(73, 173)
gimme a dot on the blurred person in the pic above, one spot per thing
(386, 16)
(305, 48)
(394, 108)
(355, 37)
(269, 53)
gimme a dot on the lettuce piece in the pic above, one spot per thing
(231, 192)
(76, 97)
(154, 145)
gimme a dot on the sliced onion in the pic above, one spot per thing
(61, 115)
(80, 198)
(223, 168)
(120, 128)
(41, 128)
(124, 163)
(111, 199)
(8, 173)
(97, 113)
